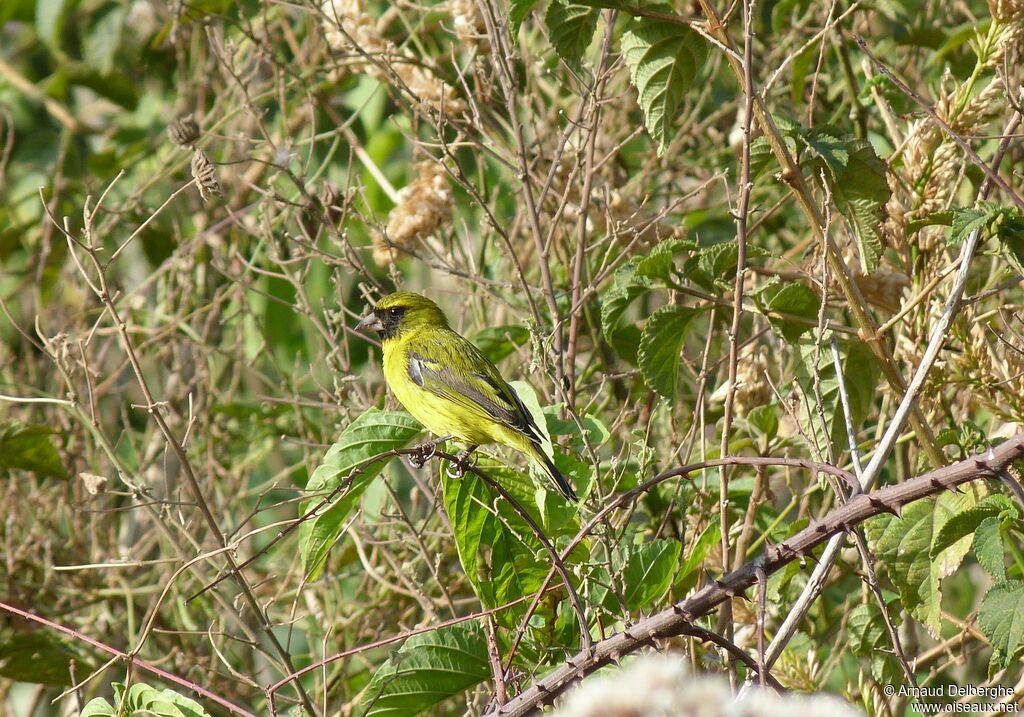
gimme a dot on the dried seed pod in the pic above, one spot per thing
(205, 174)
(184, 131)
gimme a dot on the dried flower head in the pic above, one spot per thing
(94, 484)
(469, 24)
(423, 206)
(1007, 11)
(205, 174)
(184, 131)
(349, 28)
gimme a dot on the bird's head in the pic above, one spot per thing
(401, 312)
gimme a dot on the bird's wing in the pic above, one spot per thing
(459, 372)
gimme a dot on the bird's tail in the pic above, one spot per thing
(564, 487)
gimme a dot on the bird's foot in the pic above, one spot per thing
(457, 469)
(425, 452)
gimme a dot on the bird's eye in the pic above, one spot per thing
(394, 312)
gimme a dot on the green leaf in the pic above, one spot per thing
(517, 12)
(860, 376)
(902, 547)
(647, 571)
(869, 637)
(967, 521)
(761, 156)
(988, 548)
(1001, 620)
(660, 347)
(764, 420)
(98, 707)
(829, 146)
(51, 16)
(966, 221)
(27, 446)
(1011, 240)
(103, 40)
(500, 554)
(714, 266)
(659, 264)
(369, 435)
(864, 217)
(36, 657)
(790, 298)
(427, 669)
(856, 177)
(626, 286)
(144, 699)
(708, 539)
(571, 29)
(663, 60)
(498, 342)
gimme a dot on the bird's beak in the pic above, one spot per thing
(370, 322)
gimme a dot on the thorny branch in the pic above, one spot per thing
(674, 619)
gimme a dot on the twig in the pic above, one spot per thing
(131, 660)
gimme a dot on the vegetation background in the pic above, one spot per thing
(692, 230)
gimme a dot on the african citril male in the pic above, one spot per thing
(447, 383)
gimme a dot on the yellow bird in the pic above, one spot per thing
(448, 385)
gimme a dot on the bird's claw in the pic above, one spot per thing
(423, 454)
(457, 468)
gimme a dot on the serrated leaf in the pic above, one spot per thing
(864, 217)
(988, 548)
(715, 265)
(964, 523)
(663, 60)
(794, 299)
(372, 433)
(828, 145)
(660, 262)
(660, 346)
(1011, 240)
(902, 546)
(647, 571)
(571, 29)
(625, 287)
(1001, 620)
(966, 221)
(860, 375)
(27, 446)
(142, 698)
(427, 669)
(947, 561)
(856, 176)
(761, 156)
(869, 637)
